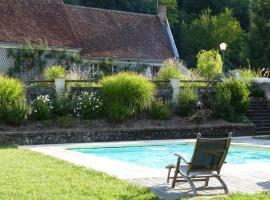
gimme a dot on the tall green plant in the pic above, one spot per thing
(126, 94)
(50, 73)
(13, 107)
(209, 64)
(169, 70)
(231, 100)
(187, 102)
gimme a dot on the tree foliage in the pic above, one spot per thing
(260, 33)
(208, 31)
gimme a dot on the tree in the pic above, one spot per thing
(193, 8)
(209, 64)
(259, 33)
(208, 31)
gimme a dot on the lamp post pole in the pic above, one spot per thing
(223, 61)
(223, 47)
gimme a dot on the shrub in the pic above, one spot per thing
(62, 105)
(88, 106)
(248, 76)
(50, 73)
(169, 70)
(13, 107)
(65, 122)
(10, 90)
(187, 102)
(16, 112)
(209, 64)
(160, 111)
(118, 112)
(126, 94)
(231, 100)
(42, 108)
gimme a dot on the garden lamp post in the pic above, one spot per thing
(223, 47)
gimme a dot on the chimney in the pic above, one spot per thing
(162, 13)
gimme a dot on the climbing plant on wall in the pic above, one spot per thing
(28, 58)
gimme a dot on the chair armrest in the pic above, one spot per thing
(182, 158)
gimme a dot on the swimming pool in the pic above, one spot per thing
(157, 156)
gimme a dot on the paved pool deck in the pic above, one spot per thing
(245, 178)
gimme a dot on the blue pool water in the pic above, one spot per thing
(157, 156)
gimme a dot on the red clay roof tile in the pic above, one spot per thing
(100, 33)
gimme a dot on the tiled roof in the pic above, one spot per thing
(100, 33)
(35, 20)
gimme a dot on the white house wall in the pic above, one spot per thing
(5, 62)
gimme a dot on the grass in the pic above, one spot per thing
(258, 196)
(29, 175)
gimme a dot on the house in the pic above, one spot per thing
(124, 37)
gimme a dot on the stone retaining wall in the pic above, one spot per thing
(109, 135)
(33, 92)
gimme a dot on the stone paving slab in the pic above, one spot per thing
(249, 181)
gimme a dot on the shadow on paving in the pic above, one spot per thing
(182, 190)
(265, 185)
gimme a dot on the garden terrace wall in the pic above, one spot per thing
(110, 135)
(33, 92)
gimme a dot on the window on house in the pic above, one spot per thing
(155, 70)
(114, 69)
(94, 69)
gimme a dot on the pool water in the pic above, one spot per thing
(157, 156)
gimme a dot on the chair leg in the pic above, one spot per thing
(206, 182)
(191, 185)
(169, 173)
(223, 185)
(175, 177)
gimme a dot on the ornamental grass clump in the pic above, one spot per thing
(160, 111)
(88, 106)
(42, 108)
(168, 71)
(187, 102)
(231, 100)
(53, 72)
(126, 94)
(13, 107)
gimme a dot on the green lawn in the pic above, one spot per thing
(28, 175)
(259, 196)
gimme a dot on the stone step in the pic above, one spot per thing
(262, 132)
(259, 120)
(263, 124)
(264, 129)
(254, 115)
(254, 112)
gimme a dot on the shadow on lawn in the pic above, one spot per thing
(7, 146)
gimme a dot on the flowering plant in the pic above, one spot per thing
(42, 107)
(88, 106)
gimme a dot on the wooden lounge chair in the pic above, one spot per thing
(207, 160)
